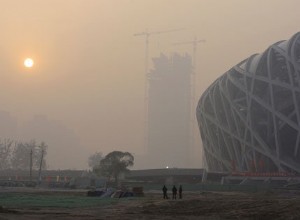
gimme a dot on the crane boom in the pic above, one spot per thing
(190, 42)
(194, 43)
(157, 32)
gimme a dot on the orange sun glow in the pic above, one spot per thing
(28, 62)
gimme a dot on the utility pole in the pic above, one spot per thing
(30, 168)
(194, 44)
(147, 34)
(40, 170)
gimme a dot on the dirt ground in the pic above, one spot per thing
(194, 205)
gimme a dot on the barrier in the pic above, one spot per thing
(263, 174)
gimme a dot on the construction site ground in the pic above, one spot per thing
(23, 203)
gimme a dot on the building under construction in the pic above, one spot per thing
(169, 111)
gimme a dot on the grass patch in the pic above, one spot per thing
(16, 200)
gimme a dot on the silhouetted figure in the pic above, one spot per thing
(180, 192)
(174, 190)
(165, 190)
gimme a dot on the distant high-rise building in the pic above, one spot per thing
(169, 111)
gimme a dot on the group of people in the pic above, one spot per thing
(174, 192)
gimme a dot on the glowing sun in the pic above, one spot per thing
(28, 62)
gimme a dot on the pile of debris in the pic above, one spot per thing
(113, 193)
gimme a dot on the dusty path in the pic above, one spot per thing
(195, 205)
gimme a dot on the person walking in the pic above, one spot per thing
(180, 192)
(174, 191)
(165, 190)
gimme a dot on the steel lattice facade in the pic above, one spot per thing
(249, 118)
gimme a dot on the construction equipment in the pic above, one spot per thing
(147, 34)
(194, 43)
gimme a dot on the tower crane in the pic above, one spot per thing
(147, 35)
(194, 43)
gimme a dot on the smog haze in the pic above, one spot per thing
(85, 91)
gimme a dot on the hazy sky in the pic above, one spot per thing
(89, 71)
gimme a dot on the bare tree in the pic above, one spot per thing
(5, 153)
(94, 160)
(25, 153)
(21, 155)
(41, 152)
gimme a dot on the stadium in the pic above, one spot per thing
(249, 118)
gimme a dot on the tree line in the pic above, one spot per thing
(21, 155)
